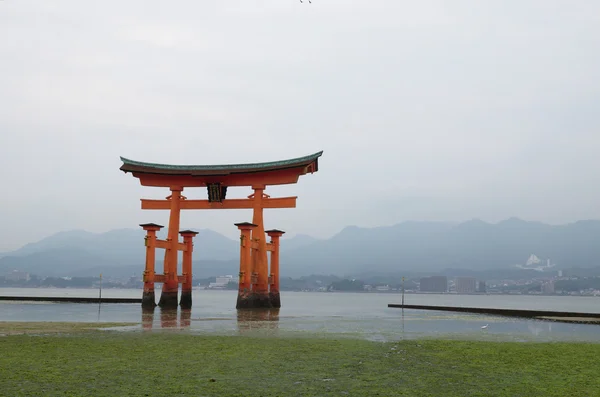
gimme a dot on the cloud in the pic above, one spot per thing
(427, 110)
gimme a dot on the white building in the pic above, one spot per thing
(17, 275)
(222, 281)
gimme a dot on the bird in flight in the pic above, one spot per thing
(309, 2)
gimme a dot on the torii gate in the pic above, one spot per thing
(257, 286)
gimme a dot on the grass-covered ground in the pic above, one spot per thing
(105, 363)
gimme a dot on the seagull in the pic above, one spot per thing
(485, 326)
(309, 2)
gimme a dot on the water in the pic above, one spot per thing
(355, 315)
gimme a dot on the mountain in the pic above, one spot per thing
(127, 244)
(407, 246)
(81, 253)
(53, 262)
(298, 241)
(433, 246)
(202, 269)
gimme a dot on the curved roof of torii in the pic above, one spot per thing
(224, 169)
(202, 174)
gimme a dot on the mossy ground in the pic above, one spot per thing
(50, 327)
(183, 364)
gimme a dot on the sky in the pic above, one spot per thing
(428, 110)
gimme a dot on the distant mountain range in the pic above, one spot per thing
(121, 253)
(408, 246)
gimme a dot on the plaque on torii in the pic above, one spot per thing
(258, 282)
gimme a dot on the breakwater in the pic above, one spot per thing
(535, 314)
(69, 299)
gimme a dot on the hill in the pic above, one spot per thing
(433, 246)
(408, 246)
(121, 253)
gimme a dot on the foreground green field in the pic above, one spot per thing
(105, 363)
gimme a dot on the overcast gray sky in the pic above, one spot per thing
(425, 110)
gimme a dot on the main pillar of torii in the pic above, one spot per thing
(217, 179)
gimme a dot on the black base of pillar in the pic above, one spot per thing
(275, 299)
(243, 300)
(168, 300)
(253, 300)
(186, 300)
(148, 300)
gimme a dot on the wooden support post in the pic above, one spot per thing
(168, 297)
(186, 269)
(260, 265)
(274, 275)
(148, 299)
(245, 283)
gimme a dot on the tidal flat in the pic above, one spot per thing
(83, 361)
(52, 327)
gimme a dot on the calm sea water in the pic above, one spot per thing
(358, 315)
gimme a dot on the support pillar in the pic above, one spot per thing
(148, 298)
(274, 276)
(186, 269)
(168, 297)
(245, 280)
(260, 265)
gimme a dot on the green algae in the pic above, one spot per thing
(183, 364)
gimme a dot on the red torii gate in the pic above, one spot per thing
(257, 286)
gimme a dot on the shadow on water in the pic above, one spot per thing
(251, 321)
(169, 319)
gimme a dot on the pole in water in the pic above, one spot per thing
(402, 290)
(100, 292)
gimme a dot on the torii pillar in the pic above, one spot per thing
(260, 264)
(274, 276)
(148, 298)
(168, 296)
(245, 276)
(186, 269)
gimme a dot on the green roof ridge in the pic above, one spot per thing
(280, 163)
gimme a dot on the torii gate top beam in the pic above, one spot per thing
(270, 173)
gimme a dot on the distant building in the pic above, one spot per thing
(481, 287)
(560, 273)
(224, 279)
(466, 285)
(433, 284)
(548, 287)
(17, 275)
(221, 282)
